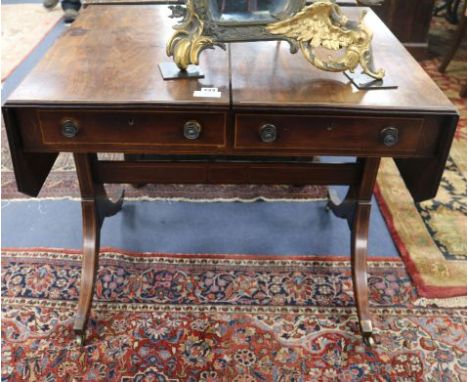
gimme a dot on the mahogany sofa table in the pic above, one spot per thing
(98, 89)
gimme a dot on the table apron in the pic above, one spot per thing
(227, 173)
(227, 133)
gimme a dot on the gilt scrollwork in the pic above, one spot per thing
(325, 36)
(188, 41)
(322, 25)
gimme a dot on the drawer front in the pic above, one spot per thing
(328, 134)
(184, 130)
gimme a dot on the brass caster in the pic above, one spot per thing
(369, 341)
(80, 339)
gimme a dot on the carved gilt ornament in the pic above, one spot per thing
(326, 38)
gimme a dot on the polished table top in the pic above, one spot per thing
(111, 54)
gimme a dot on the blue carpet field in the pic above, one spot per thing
(273, 228)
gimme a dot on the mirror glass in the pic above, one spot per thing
(250, 10)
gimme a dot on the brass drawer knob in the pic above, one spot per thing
(389, 136)
(69, 128)
(268, 133)
(192, 130)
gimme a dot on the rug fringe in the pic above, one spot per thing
(451, 302)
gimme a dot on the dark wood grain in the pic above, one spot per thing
(95, 207)
(31, 169)
(409, 20)
(356, 208)
(162, 129)
(81, 68)
(422, 176)
(110, 55)
(226, 173)
(320, 134)
(271, 80)
(359, 241)
(270, 76)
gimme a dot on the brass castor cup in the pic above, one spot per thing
(80, 339)
(369, 341)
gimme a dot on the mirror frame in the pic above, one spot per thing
(320, 25)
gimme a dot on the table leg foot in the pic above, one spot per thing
(80, 338)
(95, 206)
(91, 231)
(369, 341)
(355, 208)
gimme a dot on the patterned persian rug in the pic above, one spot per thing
(174, 318)
(431, 236)
(23, 27)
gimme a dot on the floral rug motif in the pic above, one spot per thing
(220, 318)
(449, 206)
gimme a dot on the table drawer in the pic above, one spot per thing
(164, 129)
(328, 134)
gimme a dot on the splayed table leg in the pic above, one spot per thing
(95, 207)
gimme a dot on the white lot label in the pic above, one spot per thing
(207, 93)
